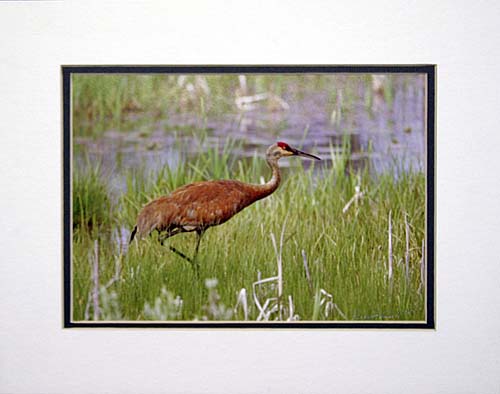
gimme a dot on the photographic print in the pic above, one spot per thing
(249, 196)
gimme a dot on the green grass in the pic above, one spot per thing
(347, 253)
(91, 201)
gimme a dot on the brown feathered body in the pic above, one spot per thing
(200, 205)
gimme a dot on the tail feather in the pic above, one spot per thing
(132, 235)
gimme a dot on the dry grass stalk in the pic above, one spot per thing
(330, 306)
(247, 103)
(306, 267)
(336, 115)
(274, 304)
(93, 296)
(290, 308)
(422, 268)
(390, 246)
(265, 314)
(279, 261)
(243, 84)
(407, 250)
(357, 195)
(242, 300)
(95, 278)
(262, 308)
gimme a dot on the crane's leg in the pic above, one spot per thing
(168, 234)
(195, 263)
(179, 253)
(163, 236)
(200, 234)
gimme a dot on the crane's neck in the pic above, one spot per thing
(270, 186)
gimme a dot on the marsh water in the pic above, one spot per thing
(382, 117)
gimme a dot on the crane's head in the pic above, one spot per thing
(282, 149)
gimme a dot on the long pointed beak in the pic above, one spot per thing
(300, 153)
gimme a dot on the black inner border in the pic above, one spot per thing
(429, 70)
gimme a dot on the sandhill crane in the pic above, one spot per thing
(200, 205)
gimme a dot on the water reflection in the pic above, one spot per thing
(382, 117)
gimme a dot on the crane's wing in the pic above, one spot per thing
(208, 203)
(196, 206)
